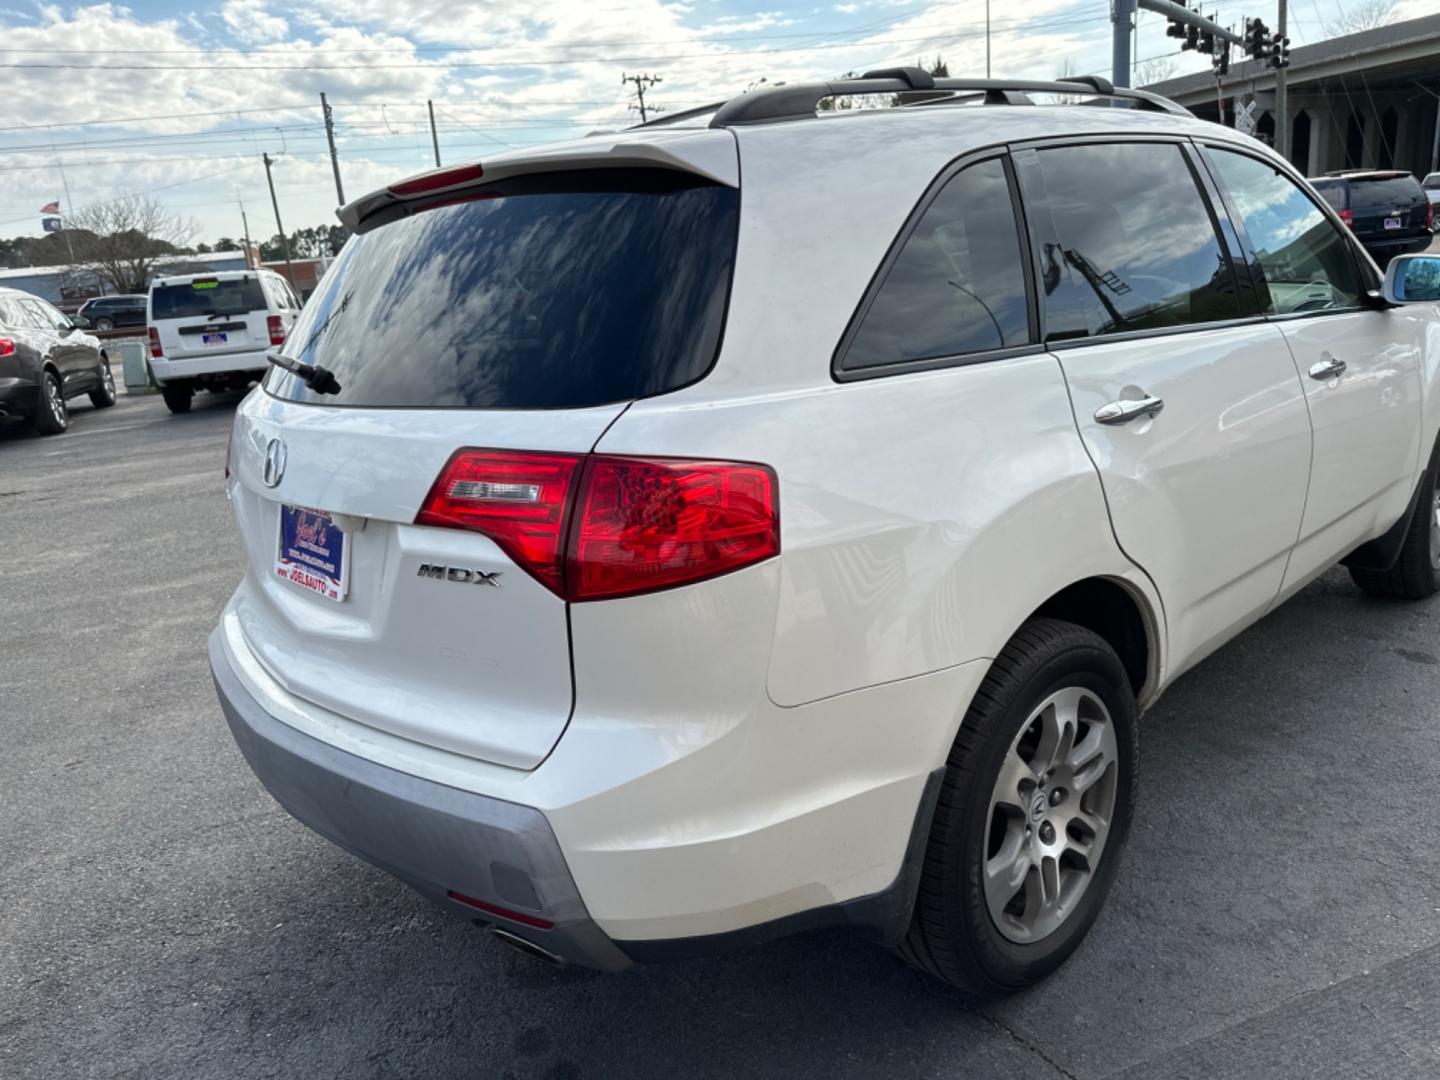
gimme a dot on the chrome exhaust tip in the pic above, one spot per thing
(529, 948)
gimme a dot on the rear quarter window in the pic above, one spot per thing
(564, 290)
(1332, 191)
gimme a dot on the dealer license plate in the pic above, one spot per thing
(217, 338)
(1393, 223)
(312, 552)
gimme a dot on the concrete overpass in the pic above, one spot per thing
(1366, 100)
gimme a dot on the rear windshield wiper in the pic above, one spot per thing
(317, 378)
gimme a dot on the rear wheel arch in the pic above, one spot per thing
(1119, 613)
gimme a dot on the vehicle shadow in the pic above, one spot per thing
(1273, 855)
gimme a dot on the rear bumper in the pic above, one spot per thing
(18, 397)
(1382, 247)
(166, 370)
(435, 838)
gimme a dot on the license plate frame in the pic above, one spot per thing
(311, 552)
(1394, 223)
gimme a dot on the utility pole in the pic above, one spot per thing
(245, 224)
(1282, 103)
(284, 243)
(334, 158)
(642, 83)
(987, 39)
(1122, 18)
(70, 204)
(434, 139)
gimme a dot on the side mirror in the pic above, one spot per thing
(1413, 279)
(80, 322)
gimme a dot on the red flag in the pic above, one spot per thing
(51, 207)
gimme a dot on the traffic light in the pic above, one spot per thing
(1192, 38)
(1207, 43)
(1222, 58)
(1257, 39)
(1280, 53)
(1175, 29)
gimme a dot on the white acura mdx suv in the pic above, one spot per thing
(773, 518)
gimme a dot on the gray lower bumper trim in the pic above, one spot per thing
(433, 837)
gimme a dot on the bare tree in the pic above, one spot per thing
(1365, 15)
(1064, 72)
(1156, 69)
(121, 239)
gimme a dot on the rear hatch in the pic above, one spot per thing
(1387, 206)
(210, 314)
(517, 315)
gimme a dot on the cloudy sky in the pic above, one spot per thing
(168, 100)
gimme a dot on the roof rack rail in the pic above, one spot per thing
(800, 100)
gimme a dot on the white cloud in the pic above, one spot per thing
(505, 71)
(252, 23)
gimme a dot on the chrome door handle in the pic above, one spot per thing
(1123, 411)
(1327, 369)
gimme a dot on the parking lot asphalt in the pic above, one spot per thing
(1278, 913)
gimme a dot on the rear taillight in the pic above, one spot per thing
(7, 347)
(519, 500)
(1348, 217)
(276, 328)
(1429, 214)
(634, 525)
(154, 336)
(643, 524)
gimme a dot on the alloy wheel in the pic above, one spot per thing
(55, 400)
(1050, 814)
(1435, 522)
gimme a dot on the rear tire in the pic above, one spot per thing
(104, 395)
(1416, 573)
(177, 396)
(51, 415)
(1011, 825)
(104, 323)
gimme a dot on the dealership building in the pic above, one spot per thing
(1366, 100)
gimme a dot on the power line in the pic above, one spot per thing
(115, 121)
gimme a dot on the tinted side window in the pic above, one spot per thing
(1304, 260)
(46, 316)
(1132, 245)
(10, 314)
(957, 286)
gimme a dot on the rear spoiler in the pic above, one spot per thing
(708, 154)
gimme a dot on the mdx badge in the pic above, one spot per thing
(460, 575)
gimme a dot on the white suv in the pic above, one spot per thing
(212, 331)
(763, 520)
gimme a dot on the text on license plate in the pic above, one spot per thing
(219, 337)
(1393, 223)
(312, 552)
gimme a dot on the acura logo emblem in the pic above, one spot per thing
(274, 462)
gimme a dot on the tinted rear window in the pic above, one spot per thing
(559, 291)
(1378, 194)
(207, 296)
